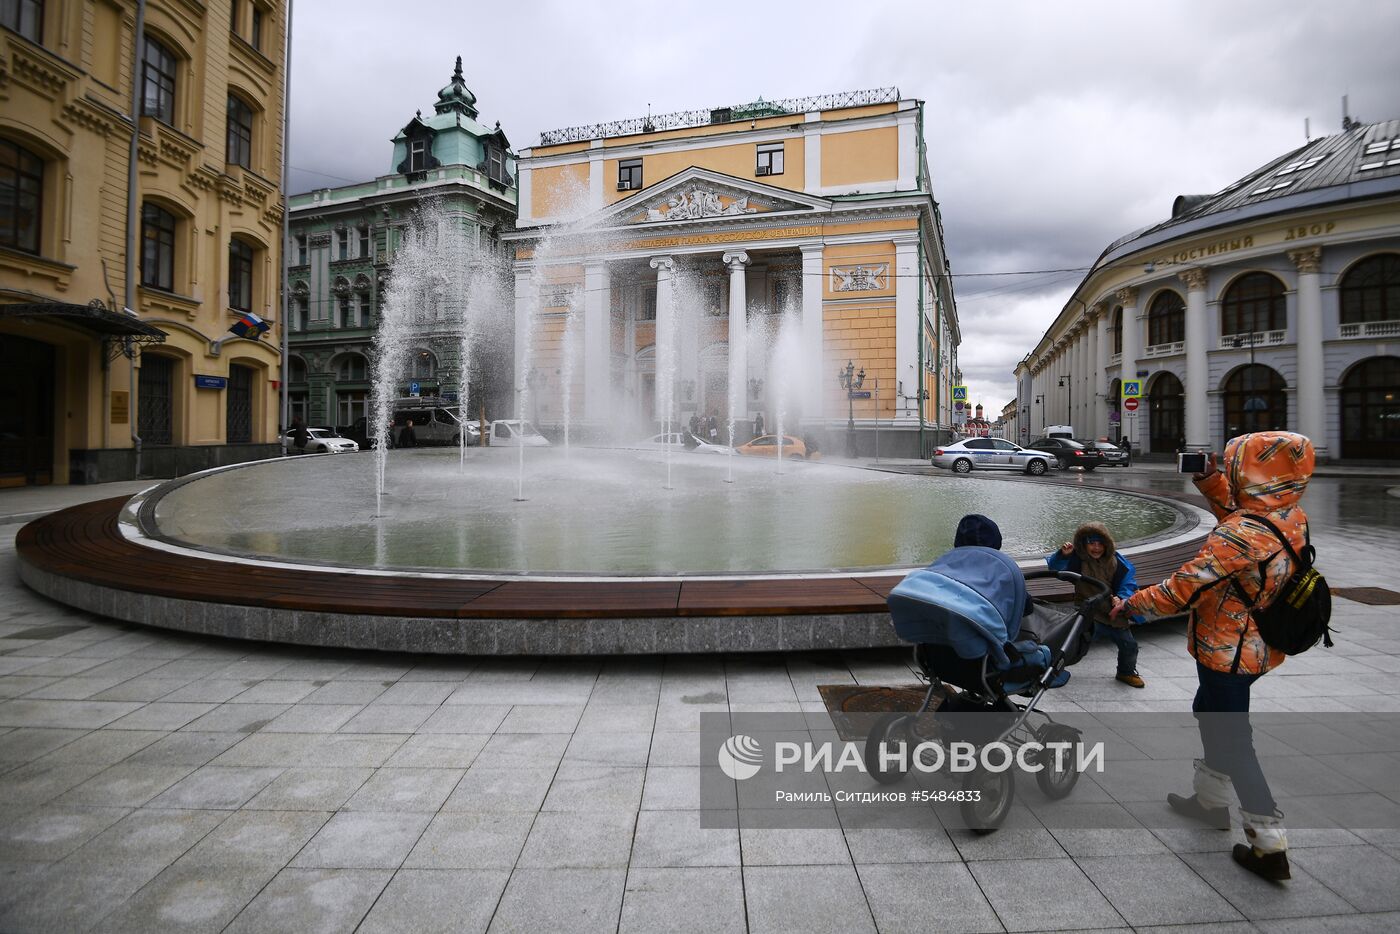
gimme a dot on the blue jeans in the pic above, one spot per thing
(1127, 646)
(1227, 737)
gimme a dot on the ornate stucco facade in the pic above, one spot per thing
(1273, 303)
(814, 215)
(343, 241)
(208, 201)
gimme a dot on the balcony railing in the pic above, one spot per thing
(1371, 329)
(1259, 339)
(1165, 350)
(1114, 359)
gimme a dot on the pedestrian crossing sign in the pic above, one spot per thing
(959, 393)
(1132, 388)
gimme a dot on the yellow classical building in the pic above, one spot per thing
(734, 260)
(112, 307)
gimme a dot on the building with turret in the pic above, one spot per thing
(343, 241)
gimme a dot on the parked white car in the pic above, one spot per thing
(513, 432)
(991, 454)
(679, 442)
(320, 441)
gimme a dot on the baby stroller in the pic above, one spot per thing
(966, 615)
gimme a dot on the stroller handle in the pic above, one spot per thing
(1073, 577)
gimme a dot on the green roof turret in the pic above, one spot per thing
(456, 96)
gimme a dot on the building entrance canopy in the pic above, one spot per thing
(93, 317)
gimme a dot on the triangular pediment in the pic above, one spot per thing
(697, 194)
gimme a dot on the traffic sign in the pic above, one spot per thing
(1131, 388)
(959, 393)
(413, 389)
(1131, 403)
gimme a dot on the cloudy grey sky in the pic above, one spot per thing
(1053, 128)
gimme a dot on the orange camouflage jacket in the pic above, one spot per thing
(1241, 563)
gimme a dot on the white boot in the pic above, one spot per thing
(1212, 788)
(1265, 832)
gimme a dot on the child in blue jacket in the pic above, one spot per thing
(1093, 554)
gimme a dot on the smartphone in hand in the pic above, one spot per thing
(1191, 462)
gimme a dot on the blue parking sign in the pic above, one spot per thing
(413, 389)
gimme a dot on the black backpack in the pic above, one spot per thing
(1297, 618)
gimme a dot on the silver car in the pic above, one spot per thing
(320, 441)
(991, 454)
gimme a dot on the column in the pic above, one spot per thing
(597, 332)
(1197, 363)
(525, 294)
(1102, 346)
(1307, 332)
(813, 330)
(738, 337)
(1076, 380)
(1093, 373)
(1132, 346)
(665, 339)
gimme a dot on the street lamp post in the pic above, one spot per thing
(850, 381)
(1067, 384)
(1040, 401)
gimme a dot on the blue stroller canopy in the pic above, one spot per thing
(970, 599)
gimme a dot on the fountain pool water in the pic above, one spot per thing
(599, 513)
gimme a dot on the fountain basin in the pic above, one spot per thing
(599, 559)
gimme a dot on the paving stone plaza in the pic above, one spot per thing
(151, 781)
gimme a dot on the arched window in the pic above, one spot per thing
(1371, 291)
(157, 247)
(1253, 304)
(422, 365)
(1166, 407)
(1254, 400)
(1166, 319)
(21, 197)
(1116, 326)
(239, 140)
(296, 370)
(158, 82)
(240, 275)
(351, 369)
(1371, 410)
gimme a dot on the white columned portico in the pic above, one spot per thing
(738, 336)
(597, 355)
(1197, 364)
(1092, 372)
(525, 293)
(813, 284)
(1102, 345)
(908, 330)
(665, 338)
(1132, 346)
(1308, 331)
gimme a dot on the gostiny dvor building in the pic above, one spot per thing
(1271, 304)
(734, 260)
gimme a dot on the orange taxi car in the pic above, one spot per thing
(767, 446)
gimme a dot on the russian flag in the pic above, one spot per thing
(250, 326)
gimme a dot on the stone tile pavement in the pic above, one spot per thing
(158, 782)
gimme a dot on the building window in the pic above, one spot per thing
(158, 83)
(364, 311)
(364, 242)
(1252, 305)
(256, 37)
(1166, 320)
(351, 406)
(1255, 400)
(25, 17)
(21, 197)
(418, 155)
(1116, 326)
(157, 247)
(770, 159)
(342, 244)
(235, 7)
(240, 133)
(347, 316)
(301, 249)
(240, 275)
(648, 306)
(351, 369)
(1371, 290)
(303, 312)
(629, 175)
(422, 365)
(296, 370)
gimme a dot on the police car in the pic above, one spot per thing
(991, 454)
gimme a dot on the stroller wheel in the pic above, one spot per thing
(989, 799)
(888, 733)
(1058, 773)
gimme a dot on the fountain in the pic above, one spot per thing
(611, 551)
